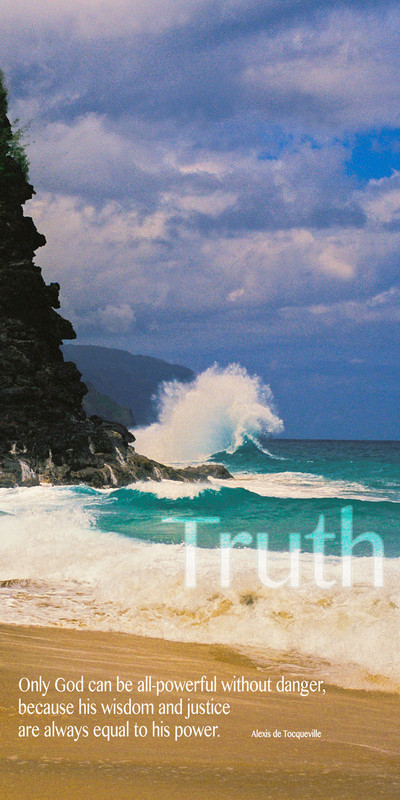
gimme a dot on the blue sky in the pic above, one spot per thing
(219, 180)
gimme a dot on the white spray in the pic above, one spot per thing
(213, 413)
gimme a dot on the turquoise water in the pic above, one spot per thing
(106, 559)
(284, 487)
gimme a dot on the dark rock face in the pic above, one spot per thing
(44, 433)
(99, 453)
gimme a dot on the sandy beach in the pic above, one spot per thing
(357, 753)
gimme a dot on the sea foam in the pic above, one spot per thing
(58, 569)
(213, 413)
(285, 485)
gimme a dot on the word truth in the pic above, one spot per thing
(319, 537)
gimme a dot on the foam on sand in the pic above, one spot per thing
(57, 569)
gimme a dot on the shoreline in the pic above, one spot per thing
(357, 753)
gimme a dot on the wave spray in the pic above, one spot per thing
(214, 413)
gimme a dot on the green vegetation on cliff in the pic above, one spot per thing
(11, 146)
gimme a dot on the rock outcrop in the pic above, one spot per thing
(44, 433)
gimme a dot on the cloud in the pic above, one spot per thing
(114, 256)
(116, 319)
(191, 162)
(92, 19)
(89, 157)
(312, 65)
(340, 74)
(383, 307)
(382, 202)
(225, 18)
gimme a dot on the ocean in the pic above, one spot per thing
(117, 559)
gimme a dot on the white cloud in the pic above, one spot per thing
(116, 319)
(235, 295)
(341, 73)
(170, 193)
(112, 257)
(331, 262)
(382, 199)
(383, 307)
(97, 18)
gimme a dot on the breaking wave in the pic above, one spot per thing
(216, 412)
(59, 569)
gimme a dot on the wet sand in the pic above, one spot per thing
(357, 755)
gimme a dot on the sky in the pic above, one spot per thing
(219, 181)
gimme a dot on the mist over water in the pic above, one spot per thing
(214, 413)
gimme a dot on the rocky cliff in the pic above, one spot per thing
(44, 433)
